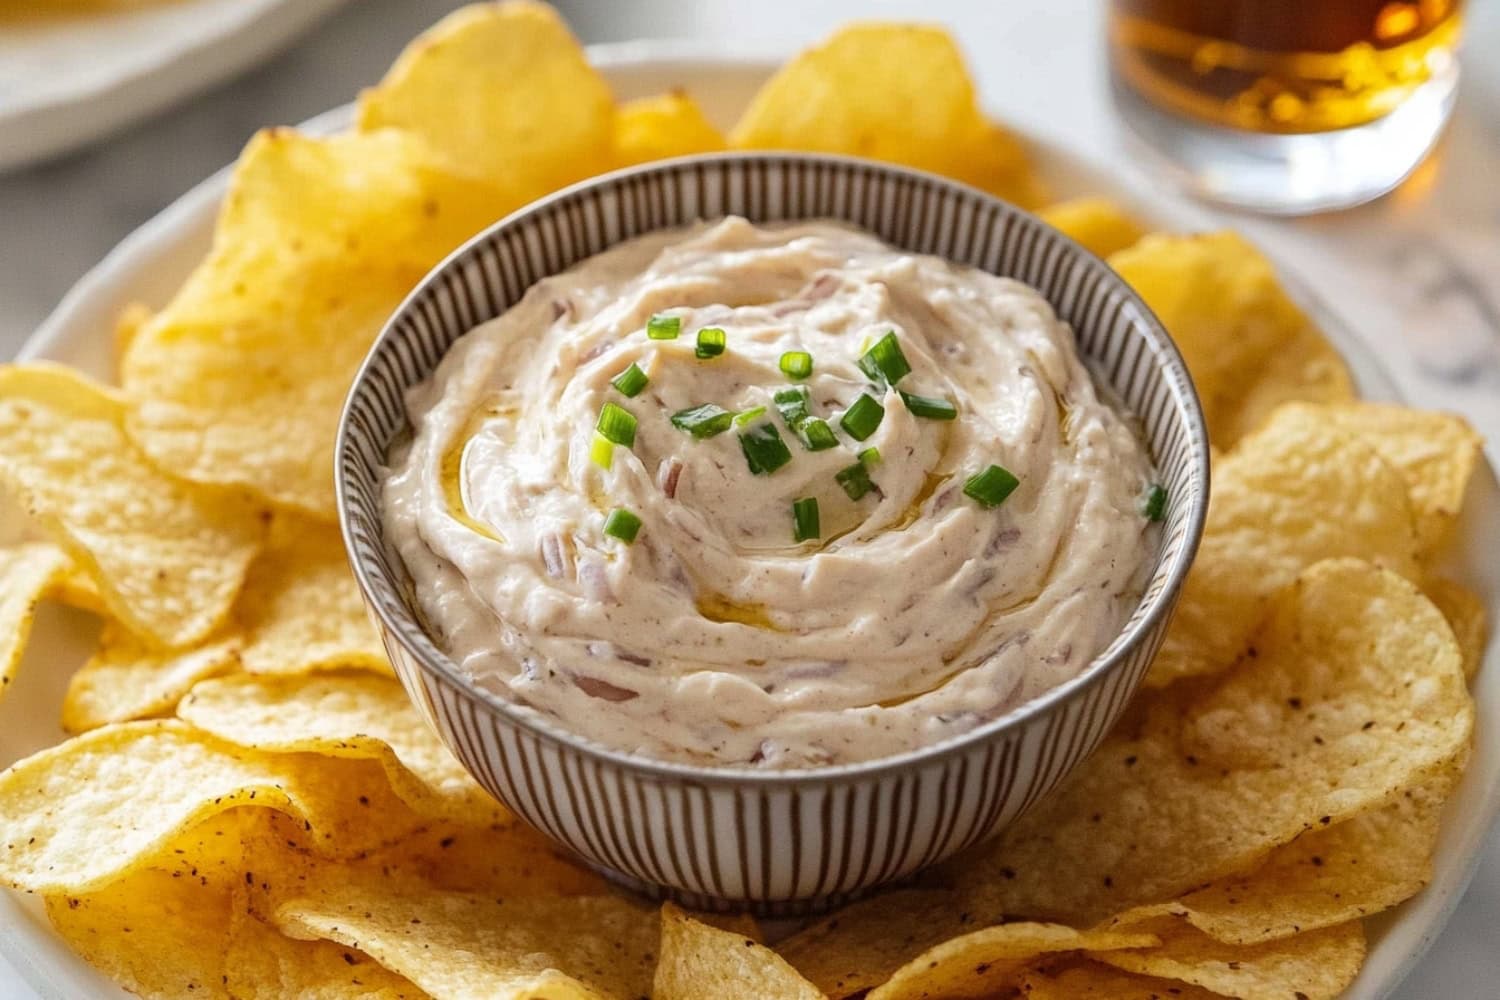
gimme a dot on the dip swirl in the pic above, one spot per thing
(715, 637)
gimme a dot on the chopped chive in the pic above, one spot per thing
(991, 486)
(870, 456)
(601, 451)
(861, 419)
(622, 524)
(1155, 507)
(711, 341)
(703, 421)
(617, 424)
(661, 327)
(796, 364)
(855, 480)
(931, 407)
(816, 435)
(749, 416)
(764, 450)
(884, 361)
(805, 525)
(631, 381)
(792, 402)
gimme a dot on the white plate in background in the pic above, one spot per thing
(150, 264)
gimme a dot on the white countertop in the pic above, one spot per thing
(1417, 275)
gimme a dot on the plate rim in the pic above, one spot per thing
(110, 275)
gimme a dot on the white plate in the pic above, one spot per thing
(150, 264)
(68, 78)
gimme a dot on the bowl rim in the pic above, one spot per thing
(1163, 350)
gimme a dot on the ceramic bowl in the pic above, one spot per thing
(777, 842)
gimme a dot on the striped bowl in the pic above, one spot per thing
(789, 841)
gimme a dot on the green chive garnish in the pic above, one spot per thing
(870, 456)
(622, 524)
(764, 450)
(711, 341)
(931, 407)
(601, 451)
(631, 381)
(749, 416)
(617, 424)
(661, 327)
(861, 419)
(792, 402)
(855, 480)
(1155, 507)
(796, 364)
(991, 486)
(884, 361)
(816, 435)
(703, 421)
(805, 519)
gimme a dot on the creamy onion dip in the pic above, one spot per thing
(913, 613)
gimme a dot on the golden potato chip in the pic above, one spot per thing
(893, 92)
(458, 944)
(1354, 693)
(1248, 346)
(861, 945)
(127, 325)
(502, 89)
(701, 962)
(263, 962)
(1327, 876)
(301, 610)
(28, 573)
(127, 679)
(1465, 612)
(1296, 491)
(240, 379)
(983, 963)
(168, 558)
(1098, 223)
(656, 128)
(501, 858)
(1435, 452)
(1316, 965)
(66, 826)
(345, 714)
(1092, 981)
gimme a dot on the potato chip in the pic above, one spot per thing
(1316, 965)
(984, 962)
(28, 573)
(240, 379)
(1098, 223)
(1353, 694)
(1327, 876)
(301, 609)
(1248, 347)
(345, 714)
(67, 827)
(861, 945)
(127, 325)
(893, 92)
(168, 558)
(1296, 491)
(457, 944)
(1435, 453)
(126, 679)
(1092, 981)
(502, 89)
(1466, 615)
(655, 128)
(701, 962)
(263, 962)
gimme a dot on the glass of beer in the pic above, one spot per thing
(1285, 106)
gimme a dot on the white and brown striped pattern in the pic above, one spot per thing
(781, 842)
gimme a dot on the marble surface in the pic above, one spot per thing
(1416, 275)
